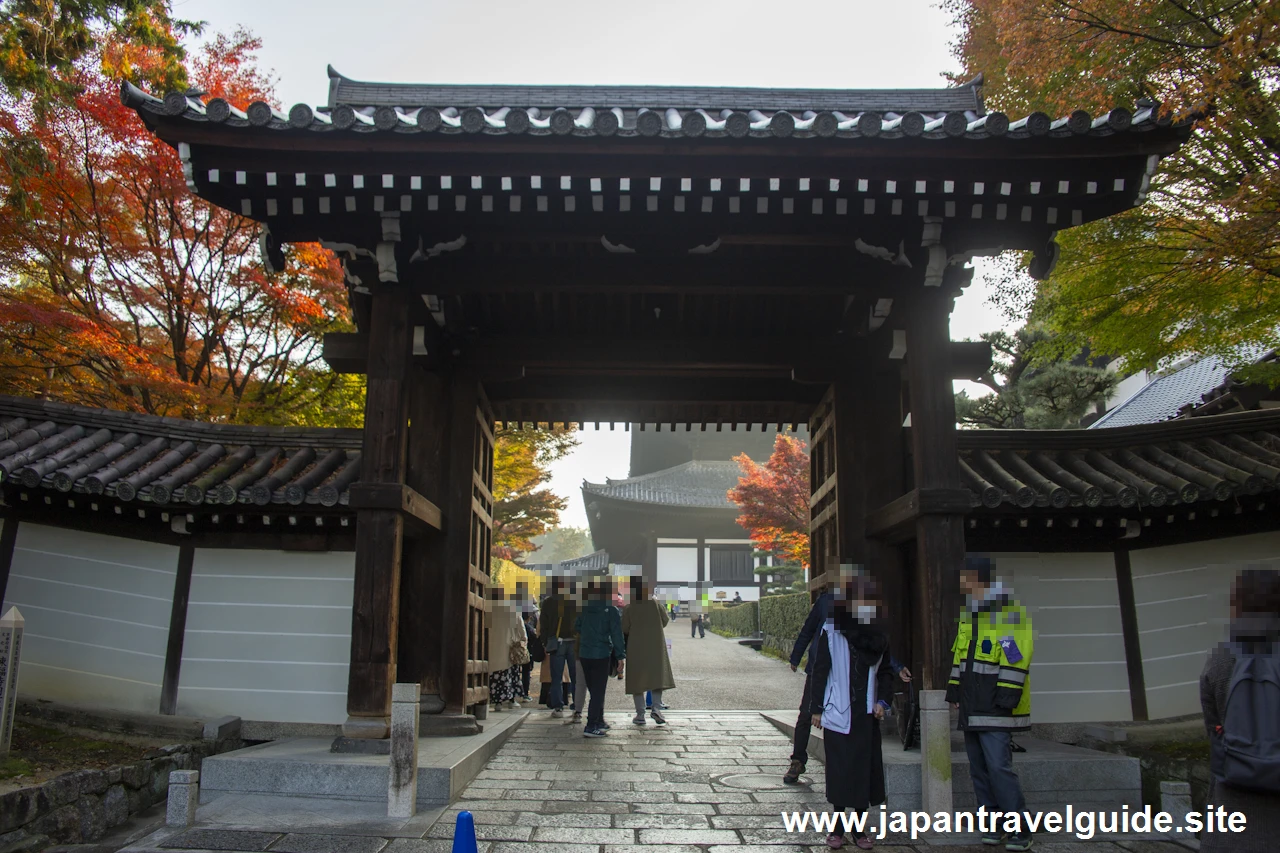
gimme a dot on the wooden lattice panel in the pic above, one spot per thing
(823, 531)
(480, 545)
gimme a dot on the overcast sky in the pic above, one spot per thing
(795, 43)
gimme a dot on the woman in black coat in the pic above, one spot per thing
(851, 687)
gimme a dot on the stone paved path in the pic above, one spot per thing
(717, 673)
(670, 790)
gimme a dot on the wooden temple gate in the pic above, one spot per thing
(709, 258)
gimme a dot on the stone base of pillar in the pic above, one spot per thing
(373, 728)
(360, 746)
(447, 725)
(935, 752)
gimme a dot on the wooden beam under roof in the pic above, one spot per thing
(347, 352)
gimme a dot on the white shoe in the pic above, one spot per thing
(577, 717)
(557, 713)
(513, 705)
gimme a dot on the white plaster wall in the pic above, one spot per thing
(677, 565)
(1183, 600)
(97, 616)
(1078, 671)
(268, 636)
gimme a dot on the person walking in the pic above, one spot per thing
(556, 626)
(807, 642)
(852, 683)
(508, 650)
(643, 622)
(696, 625)
(990, 683)
(1240, 695)
(599, 628)
(536, 653)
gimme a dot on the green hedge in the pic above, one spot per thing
(781, 618)
(734, 620)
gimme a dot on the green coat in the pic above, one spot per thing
(648, 667)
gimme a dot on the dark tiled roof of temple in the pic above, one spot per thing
(1151, 465)
(1214, 458)
(135, 457)
(699, 483)
(647, 111)
(168, 461)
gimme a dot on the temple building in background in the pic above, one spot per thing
(672, 516)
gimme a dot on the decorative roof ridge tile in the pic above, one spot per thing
(630, 96)
(688, 121)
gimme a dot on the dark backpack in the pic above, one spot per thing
(1246, 747)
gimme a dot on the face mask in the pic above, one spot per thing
(866, 612)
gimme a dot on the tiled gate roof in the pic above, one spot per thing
(168, 461)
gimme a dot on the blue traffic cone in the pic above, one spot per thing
(464, 834)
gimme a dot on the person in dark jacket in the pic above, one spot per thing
(1255, 630)
(808, 642)
(556, 630)
(851, 686)
(599, 628)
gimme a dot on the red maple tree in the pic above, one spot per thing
(774, 499)
(120, 288)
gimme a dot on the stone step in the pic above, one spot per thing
(1053, 775)
(305, 767)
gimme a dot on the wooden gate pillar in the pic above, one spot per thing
(880, 459)
(939, 534)
(375, 607)
(468, 510)
(424, 557)
(858, 466)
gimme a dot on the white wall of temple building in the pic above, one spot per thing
(677, 565)
(268, 633)
(97, 616)
(268, 636)
(1181, 594)
(1078, 670)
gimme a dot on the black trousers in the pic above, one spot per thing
(804, 724)
(597, 672)
(696, 627)
(526, 671)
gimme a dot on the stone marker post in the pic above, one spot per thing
(935, 752)
(402, 778)
(1175, 798)
(184, 796)
(10, 657)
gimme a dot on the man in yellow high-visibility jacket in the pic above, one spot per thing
(991, 660)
